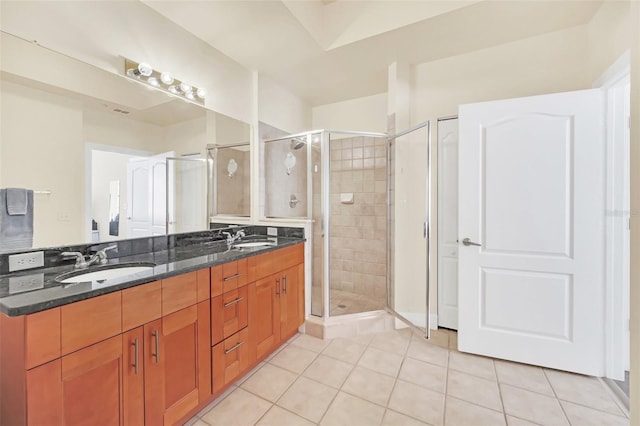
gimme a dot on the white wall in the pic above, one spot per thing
(108, 128)
(280, 108)
(609, 35)
(367, 114)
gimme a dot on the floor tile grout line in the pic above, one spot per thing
(556, 397)
(446, 388)
(504, 409)
(592, 408)
(614, 397)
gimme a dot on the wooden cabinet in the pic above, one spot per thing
(264, 316)
(83, 388)
(151, 354)
(276, 302)
(177, 359)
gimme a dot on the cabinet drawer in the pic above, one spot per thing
(141, 304)
(228, 314)
(179, 292)
(228, 276)
(42, 337)
(230, 359)
(287, 257)
(90, 321)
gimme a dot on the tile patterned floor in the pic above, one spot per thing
(398, 378)
(346, 302)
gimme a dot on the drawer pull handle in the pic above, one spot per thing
(233, 302)
(278, 286)
(156, 338)
(284, 282)
(236, 346)
(136, 355)
(232, 277)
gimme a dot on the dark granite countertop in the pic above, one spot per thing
(35, 290)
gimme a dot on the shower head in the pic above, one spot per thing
(297, 143)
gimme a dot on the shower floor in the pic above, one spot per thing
(346, 302)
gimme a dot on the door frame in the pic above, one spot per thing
(440, 218)
(89, 147)
(617, 265)
(426, 229)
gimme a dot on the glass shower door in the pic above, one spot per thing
(409, 194)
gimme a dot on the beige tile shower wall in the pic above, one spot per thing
(358, 244)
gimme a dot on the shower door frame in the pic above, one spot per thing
(426, 228)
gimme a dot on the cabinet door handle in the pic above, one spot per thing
(136, 355)
(232, 277)
(156, 338)
(284, 284)
(278, 286)
(236, 346)
(233, 302)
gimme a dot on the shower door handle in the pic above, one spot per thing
(468, 242)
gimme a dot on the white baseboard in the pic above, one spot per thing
(433, 321)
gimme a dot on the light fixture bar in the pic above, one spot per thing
(164, 81)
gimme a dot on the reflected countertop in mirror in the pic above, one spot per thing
(68, 129)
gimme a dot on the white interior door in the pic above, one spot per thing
(158, 171)
(531, 195)
(138, 211)
(448, 223)
(187, 192)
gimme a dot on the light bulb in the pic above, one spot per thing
(153, 81)
(174, 89)
(201, 93)
(145, 69)
(189, 95)
(166, 78)
(185, 87)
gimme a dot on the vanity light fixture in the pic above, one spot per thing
(164, 81)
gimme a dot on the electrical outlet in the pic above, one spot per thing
(25, 283)
(18, 262)
(272, 232)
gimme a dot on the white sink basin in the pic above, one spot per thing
(254, 244)
(103, 274)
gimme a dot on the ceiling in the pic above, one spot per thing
(327, 51)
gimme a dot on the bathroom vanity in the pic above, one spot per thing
(149, 348)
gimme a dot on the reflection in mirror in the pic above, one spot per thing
(114, 207)
(187, 194)
(285, 168)
(231, 180)
(82, 127)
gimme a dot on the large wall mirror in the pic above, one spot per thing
(89, 142)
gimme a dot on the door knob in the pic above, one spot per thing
(468, 242)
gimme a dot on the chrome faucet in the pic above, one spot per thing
(233, 238)
(101, 255)
(81, 262)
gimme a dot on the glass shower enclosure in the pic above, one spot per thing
(367, 196)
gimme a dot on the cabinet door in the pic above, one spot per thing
(178, 373)
(289, 302)
(133, 376)
(92, 390)
(264, 316)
